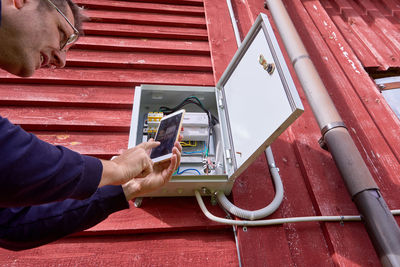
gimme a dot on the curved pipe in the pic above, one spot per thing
(261, 213)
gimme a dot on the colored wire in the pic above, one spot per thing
(185, 170)
(205, 150)
(194, 152)
(212, 120)
(189, 144)
(190, 100)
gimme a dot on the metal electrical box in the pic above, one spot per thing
(254, 101)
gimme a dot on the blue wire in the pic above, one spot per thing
(195, 152)
(185, 170)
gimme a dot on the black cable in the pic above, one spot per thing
(191, 100)
(212, 120)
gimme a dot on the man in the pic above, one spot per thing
(48, 192)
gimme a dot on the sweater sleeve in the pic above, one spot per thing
(34, 172)
(28, 227)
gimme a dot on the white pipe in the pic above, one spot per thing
(278, 221)
(234, 24)
(264, 212)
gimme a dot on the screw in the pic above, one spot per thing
(213, 200)
(138, 202)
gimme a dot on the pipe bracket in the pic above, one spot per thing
(327, 128)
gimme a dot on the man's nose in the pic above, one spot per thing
(58, 58)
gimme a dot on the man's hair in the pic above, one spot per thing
(61, 4)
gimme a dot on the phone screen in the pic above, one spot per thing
(167, 135)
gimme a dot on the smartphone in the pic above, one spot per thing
(167, 134)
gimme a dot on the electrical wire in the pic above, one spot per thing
(185, 170)
(190, 100)
(183, 143)
(196, 152)
(212, 120)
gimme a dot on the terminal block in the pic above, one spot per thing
(153, 120)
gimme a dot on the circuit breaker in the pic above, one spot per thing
(228, 126)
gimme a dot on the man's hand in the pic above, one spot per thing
(161, 174)
(134, 162)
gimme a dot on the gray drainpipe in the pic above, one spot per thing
(379, 222)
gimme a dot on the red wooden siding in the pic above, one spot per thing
(94, 93)
(311, 180)
(372, 29)
(87, 107)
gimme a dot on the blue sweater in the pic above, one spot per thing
(33, 173)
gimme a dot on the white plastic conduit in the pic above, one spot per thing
(261, 213)
(278, 221)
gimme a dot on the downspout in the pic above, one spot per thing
(379, 222)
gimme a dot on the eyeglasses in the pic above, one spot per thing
(73, 37)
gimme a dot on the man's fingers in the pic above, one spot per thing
(178, 146)
(177, 153)
(150, 145)
(147, 168)
(171, 168)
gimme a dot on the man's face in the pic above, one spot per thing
(36, 42)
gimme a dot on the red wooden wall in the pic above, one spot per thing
(87, 107)
(312, 183)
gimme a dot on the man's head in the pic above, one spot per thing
(33, 34)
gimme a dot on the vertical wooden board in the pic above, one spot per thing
(321, 170)
(363, 54)
(326, 187)
(310, 159)
(362, 127)
(223, 46)
(322, 178)
(351, 245)
(388, 33)
(304, 244)
(369, 38)
(220, 34)
(306, 240)
(381, 25)
(378, 145)
(254, 190)
(311, 169)
(243, 16)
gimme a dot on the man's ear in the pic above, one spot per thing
(19, 3)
